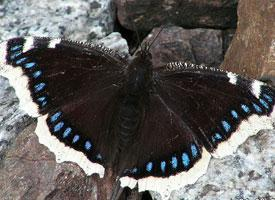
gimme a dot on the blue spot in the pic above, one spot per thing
(257, 108)
(174, 162)
(15, 48)
(55, 116)
(67, 132)
(226, 126)
(185, 159)
(234, 114)
(269, 98)
(40, 86)
(98, 156)
(88, 145)
(41, 99)
(44, 103)
(263, 102)
(163, 166)
(76, 138)
(149, 166)
(217, 136)
(30, 65)
(58, 126)
(37, 74)
(16, 54)
(245, 108)
(134, 170)
(194, 150)
(20, 61)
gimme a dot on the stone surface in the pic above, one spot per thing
(252, 51)
(199, 46)
(145, 15)
(77, 20)
(12, 119)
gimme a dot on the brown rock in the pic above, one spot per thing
(199, 46)
(252, 51)
(145, 15)
(29, 171)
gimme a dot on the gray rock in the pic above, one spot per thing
(199, 46)
(79, 20)
(12, 119)
(248, 174)
(145, 15)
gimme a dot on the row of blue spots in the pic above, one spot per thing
(226, 126)
(245, 108)
(269, 98)
(42, 100)
(68, 131)
(40, 86)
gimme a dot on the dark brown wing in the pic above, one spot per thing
(194, 111)
(70, 86)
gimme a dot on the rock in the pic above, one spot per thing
(145, 15)
(79, 20)
(29, 171)
(248, 174)
(199, 46)
(252, 51)
(12, 119)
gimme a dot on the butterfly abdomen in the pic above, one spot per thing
(128, 120)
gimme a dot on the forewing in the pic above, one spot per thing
(70, 87)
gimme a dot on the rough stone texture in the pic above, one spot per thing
(77, 20)
(145, 15)
(12, 119)
(252, 51)
(199, 46)
(30, 172)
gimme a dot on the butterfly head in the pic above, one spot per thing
(140, 72)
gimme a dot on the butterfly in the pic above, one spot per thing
(154, 127)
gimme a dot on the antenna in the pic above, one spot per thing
(134, 25)
(155, 38)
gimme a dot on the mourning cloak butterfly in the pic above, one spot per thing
(155, 126)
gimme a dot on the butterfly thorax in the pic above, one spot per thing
(135, 93)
